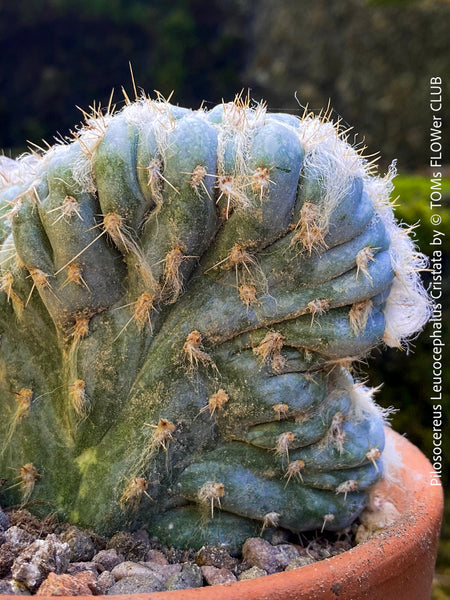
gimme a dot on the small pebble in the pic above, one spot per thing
(141, 536)
(4, 521)
(136, 584)
(105, 581)
(130, 548)
(300, 561)
(81, 546)
(18, 538)
(156, 557)
(129, 569)
(34, 564)
(259, 553)
(163, 572)
(216, 557)
(8, 555)
(278, 536)
(28, 522)
(252, 573)
(80, 584)
(106, 560)
(216, 576)
(189, 577)
(288, 553)
(7, 587)
(77, 567)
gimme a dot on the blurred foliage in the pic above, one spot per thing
(413, 207)
(59, 54)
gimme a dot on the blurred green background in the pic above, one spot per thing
(372, 59)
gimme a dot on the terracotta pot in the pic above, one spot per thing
(397, 564)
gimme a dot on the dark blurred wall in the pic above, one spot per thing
(56, 54)
(371, 58)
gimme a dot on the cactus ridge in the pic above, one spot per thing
(182, 295)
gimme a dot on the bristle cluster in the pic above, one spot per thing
(75, 275)
(143, 310)
(198, 177)
(336, 434)
(114, 225)
(39, 277)
(232, 189)
(294, 471)
(328, 518)
(269, 351)
(373, 455)
(173, 281)
(133, 492)
(281, 410)
(28, 475)
(80, 329)
(363, 258)
(78, 398)
(216, 402)
(283, 443)
(155, 181)
(249, 277)
(69, 208)
(23, 399)
(6, 285)
(351, 485)
(210, 494)
(260, 181)
(270, 519)
(317, 307)
(162, 434)
(194, 353)
(359, 315)
(309, 231)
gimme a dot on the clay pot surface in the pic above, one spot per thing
(396, 564)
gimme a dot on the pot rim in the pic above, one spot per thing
(408, 547)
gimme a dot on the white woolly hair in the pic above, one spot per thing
(331, 161)
(156, 114)
(239, 122)
(89, 137)
(408, 306)
(362, 402)
(19, 171)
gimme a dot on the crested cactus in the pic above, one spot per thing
(183, 294)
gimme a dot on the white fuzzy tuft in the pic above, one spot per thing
(238, 125)
(19, 171)
(331, 161)
(362, 403)
(408, 305)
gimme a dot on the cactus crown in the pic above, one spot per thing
(182, 296)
